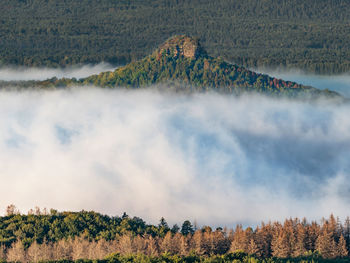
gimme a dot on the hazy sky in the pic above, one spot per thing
(210, 158)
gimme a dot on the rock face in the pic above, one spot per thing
(181, 46)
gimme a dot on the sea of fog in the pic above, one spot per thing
(216, 159)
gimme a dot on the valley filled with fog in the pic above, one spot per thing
(212, 158)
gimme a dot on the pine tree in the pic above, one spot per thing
(163, 227)
(187, 228)
(125, 245)
(346, 231)
(38, 252)
(240, 240)
(253, 248)
(102, 248)
(2, 253)
(151, 246)
(333, 227)
(139, 245)
(312, 234)
(326, 245)
(81, 248)
(208, 242)
(221, 244)
(165, 245)
(11, 210)
(264, 236)
(34, 252)
(16, 252)
(175, 229)
(62, 249)
(342, 250)
(183, 246)
(280, 245)
(299, 248)
(196, 243)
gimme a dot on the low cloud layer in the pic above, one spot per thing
(25, 73)
(215, 159)
(338, 83)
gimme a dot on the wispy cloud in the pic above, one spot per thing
(216, 159)
(25, 73)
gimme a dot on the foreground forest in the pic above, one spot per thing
(53, 235)
(312, 35)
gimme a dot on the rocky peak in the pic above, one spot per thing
(181, 46)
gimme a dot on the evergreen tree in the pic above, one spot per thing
(341, 248)
(187, 228)
(347, 232)
(280, 245)
(326, 245)
(175, 229)
(299, 248)
(253, 248)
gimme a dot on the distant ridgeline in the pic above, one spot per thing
(181, 64)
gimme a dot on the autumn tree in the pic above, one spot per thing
(280, 245)
(240, 239)
(165, 245)
(11, 210)
(299, 248)
(16, 252)
(341, 247)
(326, 245)
(151, 246)
(125, 245)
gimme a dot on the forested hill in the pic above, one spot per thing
(312, 34)
(181, 64)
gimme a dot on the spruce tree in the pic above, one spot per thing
(341, 248)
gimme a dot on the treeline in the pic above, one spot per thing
(312, 35)
(53, 235)
(235, 257)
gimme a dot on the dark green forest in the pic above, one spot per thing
(43, 235)
(313, 35)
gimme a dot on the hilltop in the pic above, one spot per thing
(181, 64)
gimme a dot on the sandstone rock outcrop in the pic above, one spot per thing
(181, 46)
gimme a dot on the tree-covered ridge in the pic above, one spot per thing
(182, 64)
(312, 35)
(73, 235)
